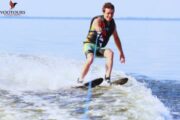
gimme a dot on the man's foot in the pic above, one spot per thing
(80, 81)
(108, 80)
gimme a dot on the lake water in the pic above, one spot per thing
(40, 60)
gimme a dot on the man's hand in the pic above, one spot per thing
(122, 58)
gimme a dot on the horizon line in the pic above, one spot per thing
(89, 18)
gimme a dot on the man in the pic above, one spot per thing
(101, 28)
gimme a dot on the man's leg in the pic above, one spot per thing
(108, 54)
(87, 65)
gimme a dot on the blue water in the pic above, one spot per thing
(35, 51)
(151, 47)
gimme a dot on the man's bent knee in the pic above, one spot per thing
(108, 53)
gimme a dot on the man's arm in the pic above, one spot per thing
(119, 46)
(97, 24)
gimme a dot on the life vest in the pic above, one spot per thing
(107, 30)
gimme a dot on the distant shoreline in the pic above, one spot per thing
(88, 18)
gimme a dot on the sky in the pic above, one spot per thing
(89, 8)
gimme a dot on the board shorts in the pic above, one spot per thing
(90, 48)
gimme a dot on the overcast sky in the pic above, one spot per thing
(89, 8)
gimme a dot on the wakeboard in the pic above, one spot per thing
(120, 81)
(94, 83)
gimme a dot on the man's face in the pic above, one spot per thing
(108, 14)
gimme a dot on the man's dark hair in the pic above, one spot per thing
(108, 5)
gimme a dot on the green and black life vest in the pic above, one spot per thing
(107, 30)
